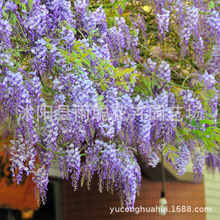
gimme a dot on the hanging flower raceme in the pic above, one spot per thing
(213, 64)
(5, 32)
(143, 127)
(162, 20)
(97, 21)
(18, 108)
(112, 114)
(183, 158)
(129, 177)
(41, 179)
(78, 83)
(199, 47)
(81, 14)
(193, 106)
(162, 119)
(212, 161)
(189, 22)
(36, 21)
(119, 168)
(214, 22)
(73, 162)
(198, 163)
(60, 11)
(209, 84)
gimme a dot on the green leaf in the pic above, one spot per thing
(211, 5)
(30, 3)
(172, 148)
(24, 7)
(208, 144)
(193, 122)
(207, 121)
(175, 155)
(5, 14)
(13, 17)
(188, 122)
(166, 150)
(215, 129)
(217, 138)
(210, 116)
(173, 159)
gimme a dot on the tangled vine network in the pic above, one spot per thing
(93, 85)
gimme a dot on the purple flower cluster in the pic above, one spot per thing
(36, 21)
(208, 80)
(199, 47)
(214, 22)
(162, 120)
(62, 56)
(213, 64)
(41, 179)
(163, 71)
(212, 162)
(117, 167)
(192, 105)
(198, 163)
(73, 162)
(143, 127)
(189, 23)
(182, 161)
(5, 32)
(162, 20)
